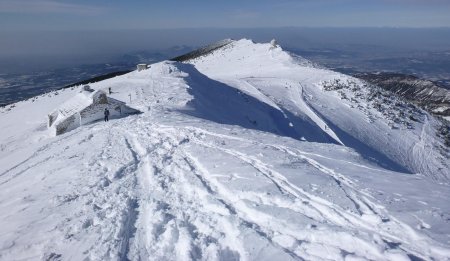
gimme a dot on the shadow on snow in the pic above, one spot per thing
(221, 103)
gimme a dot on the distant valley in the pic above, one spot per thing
(19, 86)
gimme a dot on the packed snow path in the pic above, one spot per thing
(194, 178)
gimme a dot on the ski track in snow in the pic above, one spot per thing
(185, 213)
(370, 217)
(326, 210)
(177, 223)
(189, 214)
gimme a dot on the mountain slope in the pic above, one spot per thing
(283, 81)
(215, 168)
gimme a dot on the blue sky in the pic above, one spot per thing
(158, 14)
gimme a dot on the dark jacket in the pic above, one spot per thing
(106, 112)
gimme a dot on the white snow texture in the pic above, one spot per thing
(244, 153)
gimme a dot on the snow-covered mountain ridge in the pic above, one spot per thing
(245, 152)
(352, 113)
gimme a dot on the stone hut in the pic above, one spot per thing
(141, 67)
(85, 107)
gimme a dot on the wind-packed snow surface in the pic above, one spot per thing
(244, 153)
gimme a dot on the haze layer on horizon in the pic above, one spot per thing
(30, 51)
(36, 34)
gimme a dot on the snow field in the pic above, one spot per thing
(222, 164)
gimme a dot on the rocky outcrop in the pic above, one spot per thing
(424, 93)
(203, 51)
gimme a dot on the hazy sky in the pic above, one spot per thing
(34, 33)
(147, 14)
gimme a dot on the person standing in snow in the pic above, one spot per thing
(106, 114)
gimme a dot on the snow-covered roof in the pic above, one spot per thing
(76, 103)
(81, 101)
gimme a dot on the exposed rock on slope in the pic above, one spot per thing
(424, 93)
(203, 51)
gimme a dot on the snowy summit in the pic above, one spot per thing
(242, 151)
